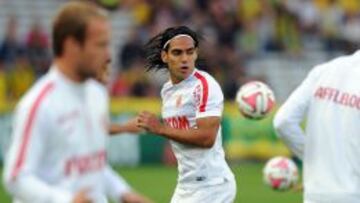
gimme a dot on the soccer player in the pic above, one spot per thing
(330, 145)
(57, 153)
(192, 109)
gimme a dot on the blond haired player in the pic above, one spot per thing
(57, 153)
(329, 99)
(192, 105)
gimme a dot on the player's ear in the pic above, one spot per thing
(164, 56)
(196, 54)
(71, 45)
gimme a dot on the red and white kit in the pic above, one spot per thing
(58, 142)
(197, 96)
(330, 146)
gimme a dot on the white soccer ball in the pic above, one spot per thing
(280, 173)
(255, 100)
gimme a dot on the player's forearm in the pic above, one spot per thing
(291, 133)
(204, 138)
(115, 185)
(128, 127)
(28, 188)
(116, 129)
(288, 119)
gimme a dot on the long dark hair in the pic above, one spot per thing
(156, 44)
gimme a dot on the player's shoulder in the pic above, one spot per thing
(96, 89)
(39, 93)
(208, 85)
(337, 64)
(96, 86)
(340, 61)
(205, 79)
(166, 87)
(203, 75)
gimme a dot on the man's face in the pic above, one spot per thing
(180, 58)
(95, 53)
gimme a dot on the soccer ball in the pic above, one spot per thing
(280, 173)
(255, 100)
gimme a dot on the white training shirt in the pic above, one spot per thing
(330, 145)
(58, 142)
(197, 96)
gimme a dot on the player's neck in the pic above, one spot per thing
(175, 80)
(68, 70)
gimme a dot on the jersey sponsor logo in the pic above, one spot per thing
(69, 116)
(86, 163)
(338, 97)
(178, 122)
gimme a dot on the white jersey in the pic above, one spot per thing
(197, 96)
(330, 146)
(58, 142)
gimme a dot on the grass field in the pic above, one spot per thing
(158, 182)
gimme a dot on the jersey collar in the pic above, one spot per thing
(78, 87)
(183, 81)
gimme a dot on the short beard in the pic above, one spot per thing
(84, 73)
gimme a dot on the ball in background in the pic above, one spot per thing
(255, 100)
(280, 173)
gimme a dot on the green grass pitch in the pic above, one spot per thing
(158, 182)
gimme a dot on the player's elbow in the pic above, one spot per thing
(12, 182)
(279, 124)
(9, 183)
(208, 140)
(208, 144)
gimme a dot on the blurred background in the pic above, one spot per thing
(274, 41)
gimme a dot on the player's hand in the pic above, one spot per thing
(129, 127)
(132, 126)
(149, 122)
(82, 197)
(132, 197)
